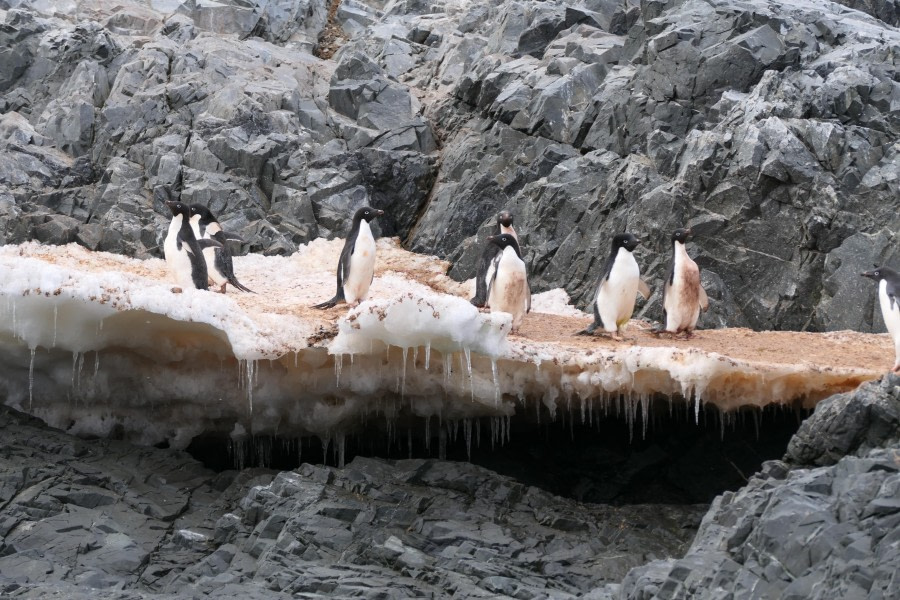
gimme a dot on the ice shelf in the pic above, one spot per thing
(100, 344)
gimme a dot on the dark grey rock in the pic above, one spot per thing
(849, 423)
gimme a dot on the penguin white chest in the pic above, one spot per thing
(616, 294)
(359, 276)
(891, 318)
(509, 292)
(682, 302)
(178, 261)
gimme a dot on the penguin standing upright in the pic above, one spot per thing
(219, 265)
(618, 288)
(356, 267)
(889, 297)
(508, 289)
(183, 251)
(683, 295)
(484, 275)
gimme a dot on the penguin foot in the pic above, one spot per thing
(221, 290)
(660, 331)
(896, 369)
(177, 290)
(326, 305)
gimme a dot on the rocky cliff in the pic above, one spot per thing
(769, 127)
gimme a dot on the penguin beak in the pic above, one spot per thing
(869, 274)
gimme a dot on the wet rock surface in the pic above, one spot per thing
(770, 128)
(142, 522)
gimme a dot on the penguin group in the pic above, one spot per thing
(196, 251)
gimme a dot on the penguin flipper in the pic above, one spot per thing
(704, 299)
(481, 285)
(643, 289)
(528, 296)
(893, 292)
(209, 243)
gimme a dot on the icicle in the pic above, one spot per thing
(96, 363)
(31, 379)
(697, 407)
(427, 354)
(645, 413)
(415, 356)
(496, 381)
(442, 444)
(326, 441)
(55, 317)
(296, 358)
(338, 365)
(403, 373)
(468, 353)
(341, 449)
(251, 366)
(448, 368)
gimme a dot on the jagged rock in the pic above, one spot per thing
(826, 532)
(849, 424)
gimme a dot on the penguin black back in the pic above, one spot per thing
(504, 221)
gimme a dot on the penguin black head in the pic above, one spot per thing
(505, 240)
(505, 219)
(624, 240)
(206, 216)
(879, 273)
(367, 213)
(682, 235)
(178, 208)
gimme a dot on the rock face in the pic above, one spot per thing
(147, 523)
(770, 128)
(810, 532)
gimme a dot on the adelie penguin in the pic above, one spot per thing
(184, 252)
(508, 288)
(889, 297)
(219, 265)
(683, 295)
(618, 288)
(483, 277)
(356, 268)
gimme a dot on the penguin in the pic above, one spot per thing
(219, 265)
(683, 295)
(183, 251)
(356, 268)
(508, 289)
(482, 279)
(618, 288)
(889, 296)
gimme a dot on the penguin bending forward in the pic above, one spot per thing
(508, 289)
(618, 288)
(184, 252)
(889, 297)
(219, 265)
(356, 268)
(484, 275)
(683, 295)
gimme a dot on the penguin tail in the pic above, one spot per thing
(237, 284)
(330, 303)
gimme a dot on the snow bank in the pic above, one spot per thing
(99, 344)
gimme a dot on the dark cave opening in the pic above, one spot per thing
(682, 458)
